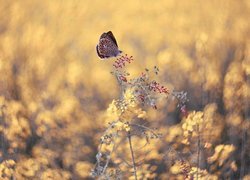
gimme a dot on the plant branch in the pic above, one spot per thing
(198, 149)
(132, 154)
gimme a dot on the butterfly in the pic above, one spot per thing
(107, 46)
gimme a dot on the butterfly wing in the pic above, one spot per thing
(104, 35)
(112, 37)
(107, 46)
(98, 53)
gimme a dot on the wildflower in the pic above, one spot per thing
(184, 111)
(156, 87)
(121, 61)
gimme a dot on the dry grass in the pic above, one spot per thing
(54, 90)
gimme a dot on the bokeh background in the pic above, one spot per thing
(54, 90)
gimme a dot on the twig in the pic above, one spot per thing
(198, 149)
(108, 159)
(132, 154)
(242, 153)
(145, 127)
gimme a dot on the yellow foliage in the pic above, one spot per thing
(7, 169)
(83, 169)
(54, 90)
(200, 125)
(221, 154)
(125, 110)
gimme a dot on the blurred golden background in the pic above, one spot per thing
(54, 90)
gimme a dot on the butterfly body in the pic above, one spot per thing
(107, 46)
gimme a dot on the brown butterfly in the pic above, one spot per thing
(107, 46)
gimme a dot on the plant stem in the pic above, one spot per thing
(132, 154)
(198, 149)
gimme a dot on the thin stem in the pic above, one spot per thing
(2, 120)
(108, 159)
(145, 127)
(198, 148)
(112, 150)
(243, 151)
(132, 154)
(121, 86)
